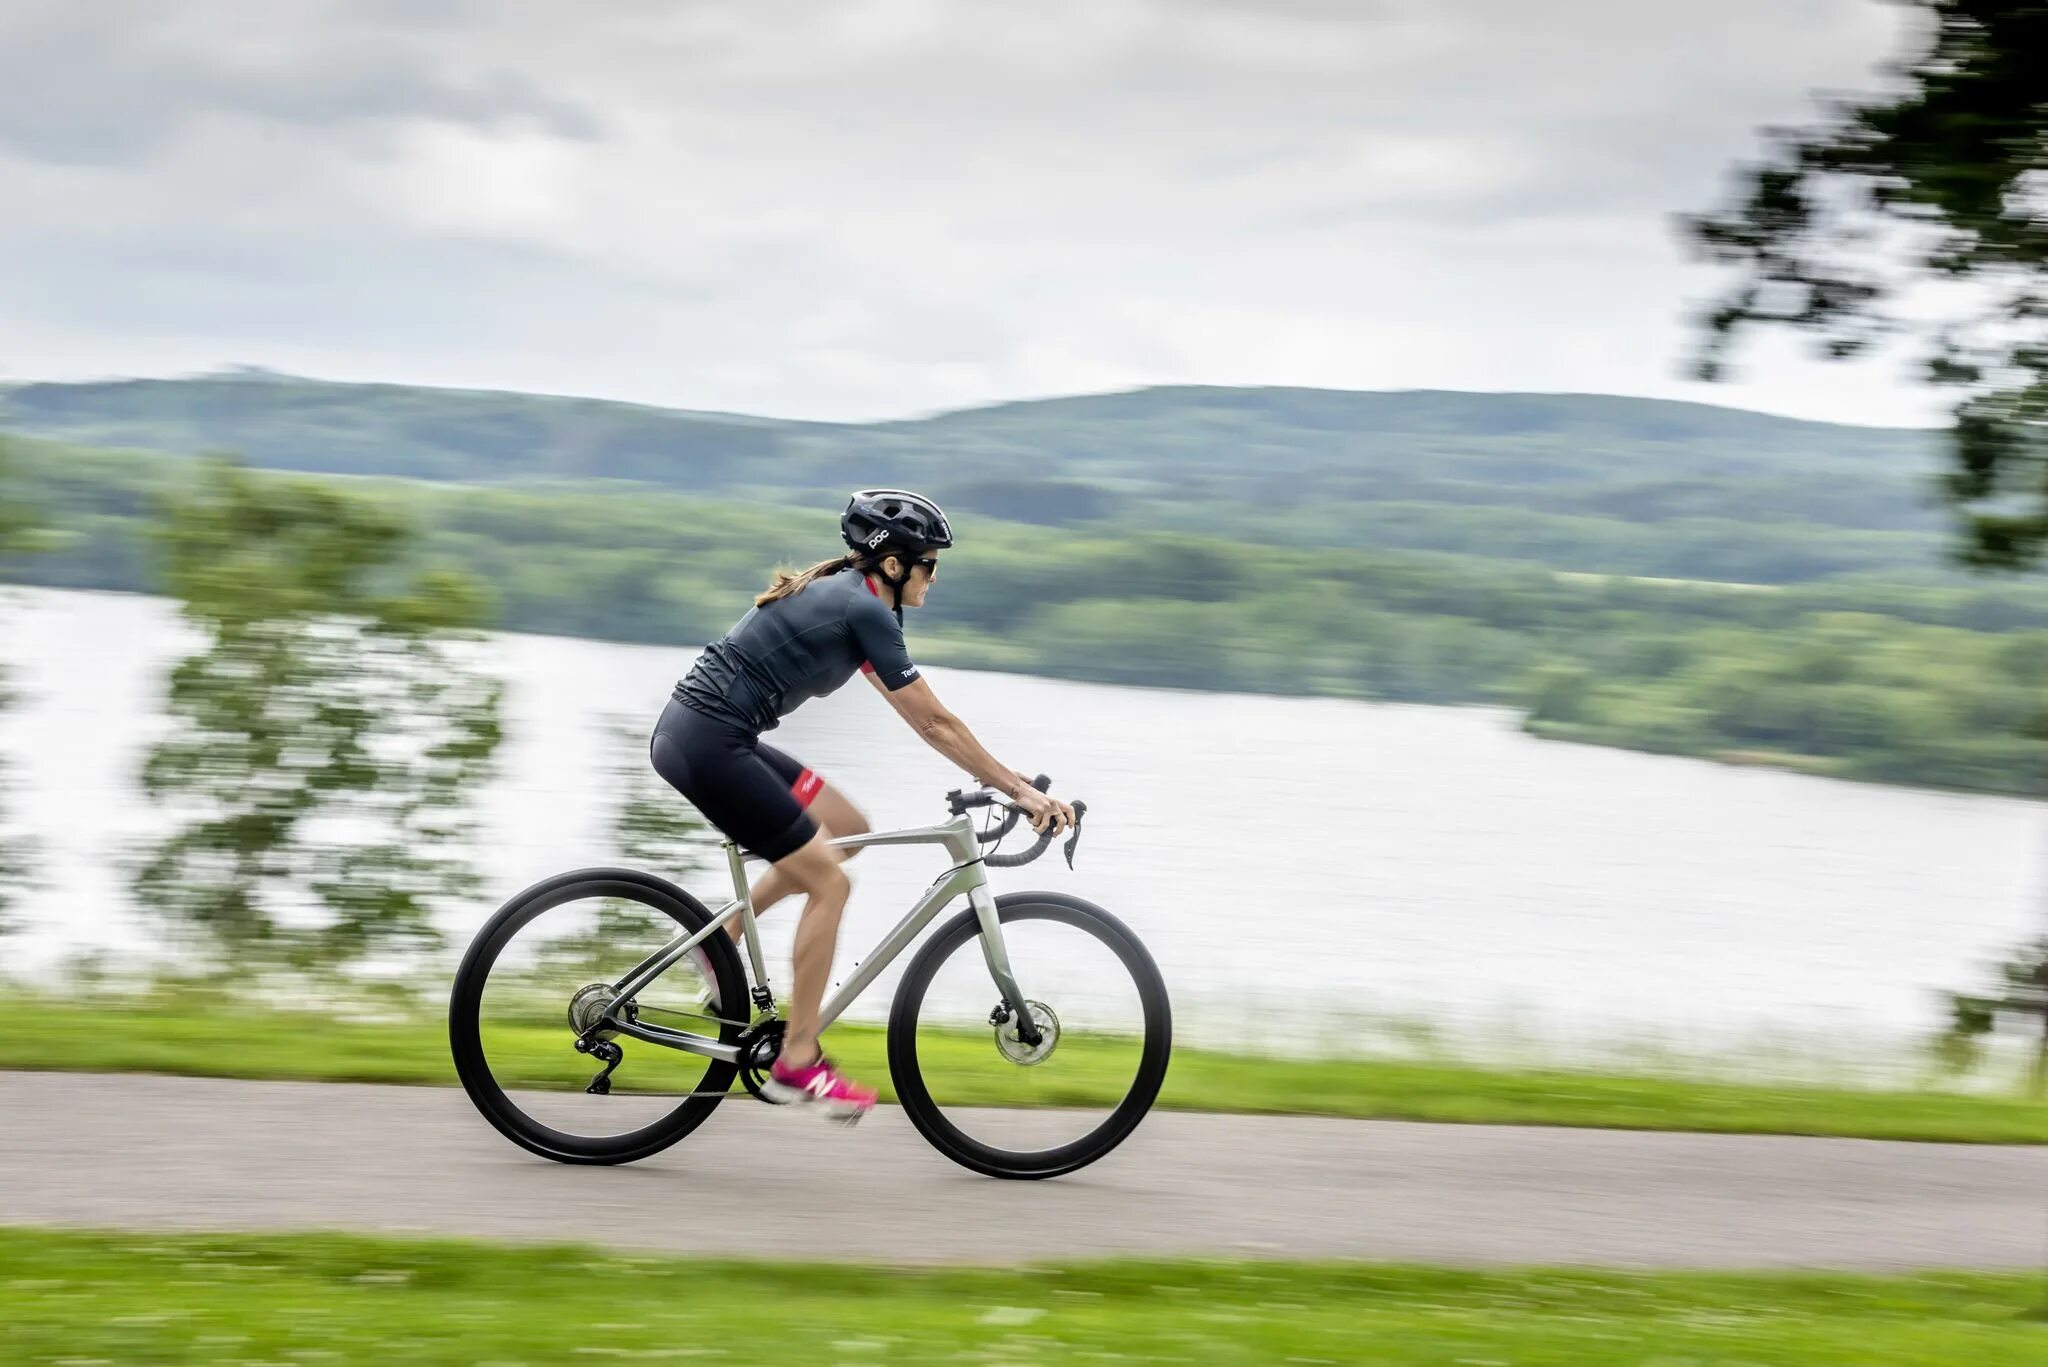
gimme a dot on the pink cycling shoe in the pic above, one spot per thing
(818, 1084)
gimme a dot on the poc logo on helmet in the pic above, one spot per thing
(878, 538)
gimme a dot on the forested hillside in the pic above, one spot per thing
(1862, 676)
(1581, 482)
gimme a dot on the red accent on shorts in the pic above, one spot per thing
(867, 667)
(806, 788)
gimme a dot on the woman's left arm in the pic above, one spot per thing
(921, 709)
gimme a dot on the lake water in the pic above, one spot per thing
(1299, 866)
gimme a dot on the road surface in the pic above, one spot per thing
(197, 1154)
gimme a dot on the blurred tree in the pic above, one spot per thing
(652, 826)
(1945, 179)
(17, 533)
(653, 829)
(328, 735)
(1557, 691)
(16, 851)
(17, 517)
(1049, 502)
(2021, 994)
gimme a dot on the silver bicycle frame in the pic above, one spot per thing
(966, 876)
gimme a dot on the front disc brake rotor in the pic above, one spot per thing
(1028, 1055)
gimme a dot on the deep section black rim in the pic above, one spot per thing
(930, 1118)
(473, 1067)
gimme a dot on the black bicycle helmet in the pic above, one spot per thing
(878, 522)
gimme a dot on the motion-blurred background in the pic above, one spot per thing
(1523, 522)
(1265, 354)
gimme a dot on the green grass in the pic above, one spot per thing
(179, 1037)
(72, 1297)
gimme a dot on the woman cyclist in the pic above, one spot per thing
(805, 636)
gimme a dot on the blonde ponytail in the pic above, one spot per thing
(788, 579)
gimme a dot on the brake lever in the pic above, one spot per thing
(1080, 810)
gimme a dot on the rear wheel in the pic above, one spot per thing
(541, 972)
(996, 1101)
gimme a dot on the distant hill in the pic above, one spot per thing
(296, 424)
(1579, 481)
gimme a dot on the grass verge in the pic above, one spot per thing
(180, 1037)
(75, 1297)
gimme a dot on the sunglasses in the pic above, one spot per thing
(930, 565)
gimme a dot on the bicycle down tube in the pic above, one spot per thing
(967, 876)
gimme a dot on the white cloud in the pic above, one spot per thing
(866, 209)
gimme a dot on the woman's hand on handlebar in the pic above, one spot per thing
(1041, 810)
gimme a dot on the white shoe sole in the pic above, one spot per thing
(840, 1112)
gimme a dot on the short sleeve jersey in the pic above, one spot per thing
(797, 648)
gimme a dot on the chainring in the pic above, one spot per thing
(760, 1045)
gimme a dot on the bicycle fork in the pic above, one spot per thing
(997, 954)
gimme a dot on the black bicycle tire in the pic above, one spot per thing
(466, 1043)
(929, 1117)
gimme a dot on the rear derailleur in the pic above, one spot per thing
(606, 1052)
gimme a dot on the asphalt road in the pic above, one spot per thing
(195, 1154)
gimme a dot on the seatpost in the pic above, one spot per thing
(744, 895)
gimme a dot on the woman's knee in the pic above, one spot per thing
(832, 887)
(817, 870)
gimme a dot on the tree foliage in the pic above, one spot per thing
(326, 736)
(1847, 694)
(17, 533)
(15, 848)
(1944, 179)
(652, 826)
(2020, 996)
(652, 829)
(1198, 611)
(1579, 481)
(18, 516)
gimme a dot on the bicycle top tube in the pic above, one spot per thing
(958, 833)
(952, 832)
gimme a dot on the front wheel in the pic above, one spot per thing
(989, 1096)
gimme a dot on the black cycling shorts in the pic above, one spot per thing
(751, 791)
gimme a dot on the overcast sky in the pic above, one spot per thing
(818, 209)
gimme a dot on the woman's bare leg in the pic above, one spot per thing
(815, 870)
(836, 816)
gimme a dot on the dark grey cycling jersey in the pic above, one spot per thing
(797, 648)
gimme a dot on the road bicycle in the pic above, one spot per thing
(1027, 1037)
